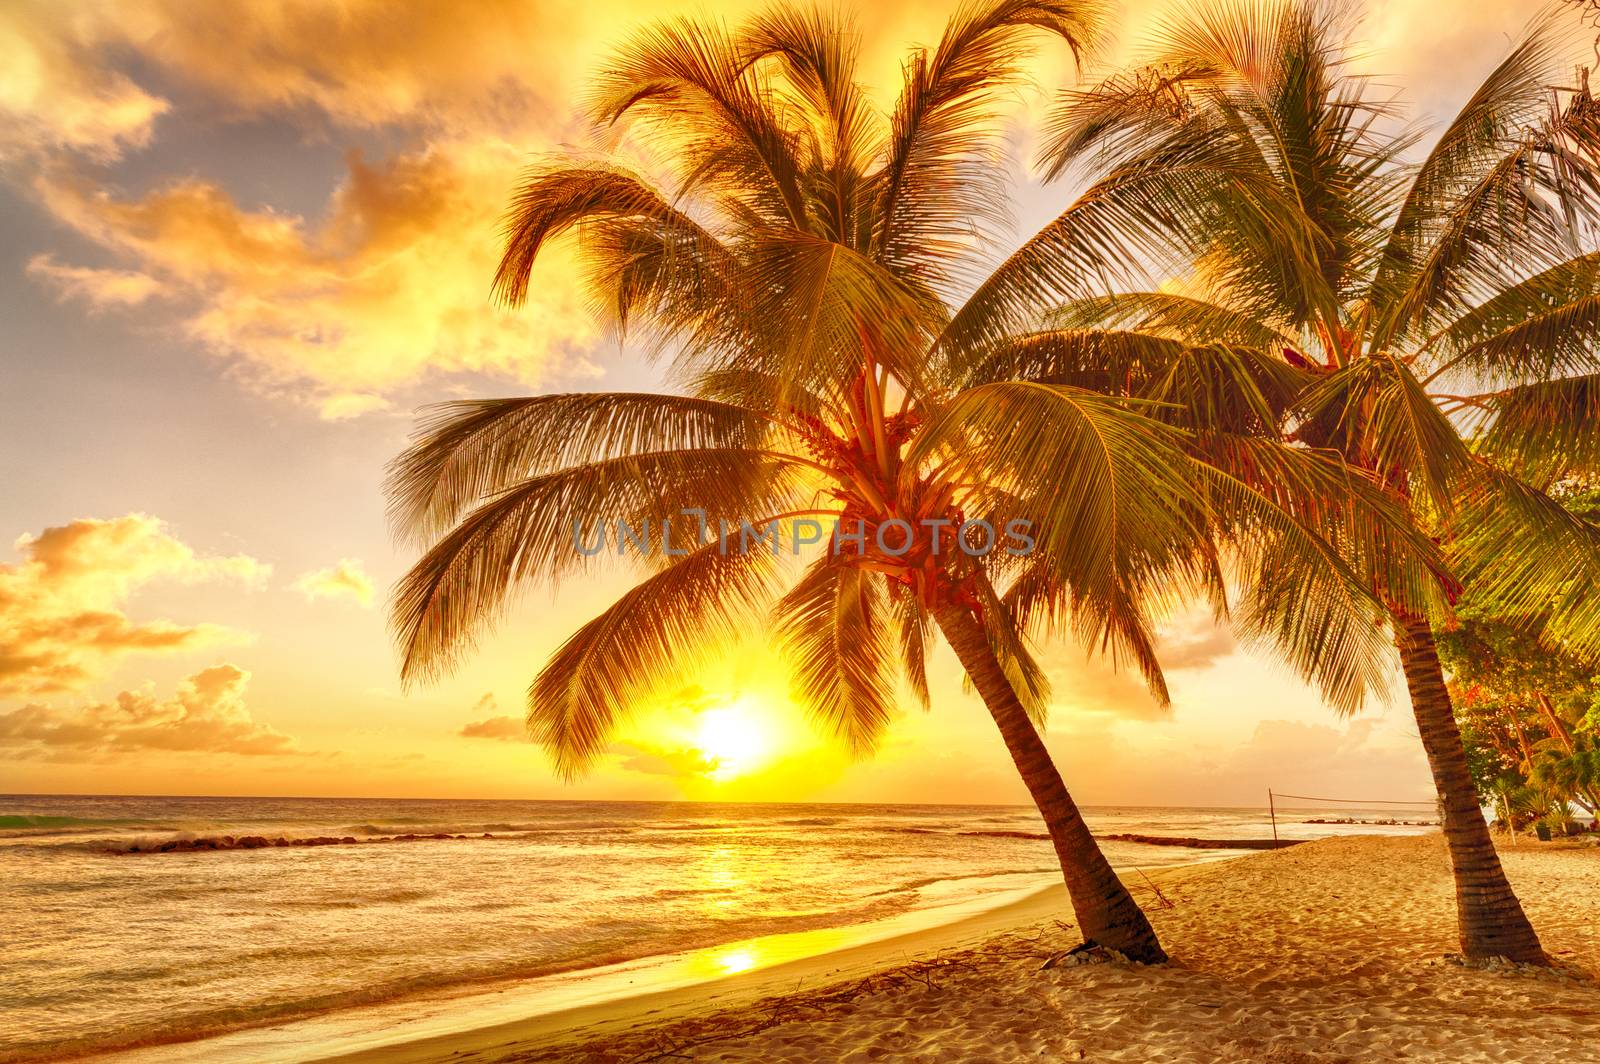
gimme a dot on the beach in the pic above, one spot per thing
(1335, 950)
(254, 929)
(721, 933)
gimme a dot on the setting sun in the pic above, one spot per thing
(733, 738)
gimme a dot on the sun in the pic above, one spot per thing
(733, 738)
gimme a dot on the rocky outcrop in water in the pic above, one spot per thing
(261, 842)
(1383, 823)
(1206, 844)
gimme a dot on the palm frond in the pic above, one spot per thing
(835, 628)
(553, 199)
(1008, 640)
(822, 309)
(531, 532)
(1147, 218)
(1310, 541)
(1382, 418)
(464, 452)
(657, 632)
(689, 83)
(1179, 317)
(1530, 559)
(1217, 387)
(819, 52)
(1479, 196)
(1549, 430)
(916, 637)
(1109, 495)
(1542, 326)
(939, 188)
(1101, 360)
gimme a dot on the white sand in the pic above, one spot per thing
(1330, 951)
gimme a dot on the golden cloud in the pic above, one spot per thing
(345, 580)
(657, 759)
(100, 288)
(57, 94)
(501, 726)
(206, 714)
(499, 68)
(61, 607)
(385, 289)
(1093, 683)
(390, 287)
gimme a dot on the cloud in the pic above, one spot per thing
(347, 580)
(1195, 642)
(494, 68)
(655, 760)
(384, 289)
(61, 606)
(99, 288)
(1095, 684)
(353, 307)
(58, 95)
(387, 289)
(206, 714)
(1312, 749)
(509, 729)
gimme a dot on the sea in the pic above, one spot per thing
(146, 921)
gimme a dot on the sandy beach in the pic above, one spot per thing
(1337, 950)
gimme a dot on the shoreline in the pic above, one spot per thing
(1337, 950)
(1329, 951)
(1365, 920)
(555, 1007)
(340, 946)
(184, 844)
(798, 975)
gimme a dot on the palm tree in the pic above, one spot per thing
(798, 256)
(1434, 323)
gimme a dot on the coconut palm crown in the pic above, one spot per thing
(1432, 315)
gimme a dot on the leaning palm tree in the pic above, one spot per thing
(797, 254)
(1435, 323)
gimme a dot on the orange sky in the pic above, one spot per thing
(242, 241)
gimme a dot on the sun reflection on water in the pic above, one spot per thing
(734, 961)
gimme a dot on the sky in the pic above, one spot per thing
(241, 243)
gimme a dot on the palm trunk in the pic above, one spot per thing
(1489, 917)
(1107, 914)
(1557, 728)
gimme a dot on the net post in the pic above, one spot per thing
(1272, 809)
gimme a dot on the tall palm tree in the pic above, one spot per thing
(1435, 322)
(797, 252)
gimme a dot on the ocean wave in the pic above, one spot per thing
(361, 901)
(190, 843)
(180, 1026)
(918, 884)
(419, 826)
(39, 820)
(32, 825)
